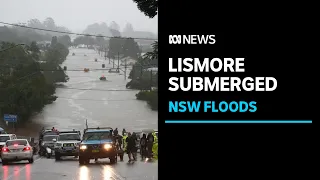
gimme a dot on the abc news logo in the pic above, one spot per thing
(192, 39)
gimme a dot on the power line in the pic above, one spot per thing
(79, 34)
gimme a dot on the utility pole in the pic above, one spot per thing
(151, 80)
(113, 63)
(125, 69)
(118, 62)
(141, 72)
(105, 53)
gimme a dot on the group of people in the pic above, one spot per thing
(130, 143)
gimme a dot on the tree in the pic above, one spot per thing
(152, 57)
(115, 46)
(54, 41)
(34, 49)
(131, 48)
(140, 77)
(128, 28)
(148, 7)
(65, 40)
(35, 23)
(49, 23)
(114, 26)
(100, 41)
(115, 33)
(27, 88)
(57, 54)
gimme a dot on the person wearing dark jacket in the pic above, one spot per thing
(131, 146)
(115, 132)
(150, 140)
(143, 146)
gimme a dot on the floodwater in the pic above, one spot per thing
(102, 103)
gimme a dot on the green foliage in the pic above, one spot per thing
(26, 85)
(48, 23)
(65, 40)
(150, 96)
(131, 48)
(148, 7)
(143, 79)
(54, 41)
(151, 58)
(21, 35)
(56, 54)
(124, 46)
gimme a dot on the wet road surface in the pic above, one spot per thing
(69, 169)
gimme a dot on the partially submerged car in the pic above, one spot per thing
(103, 78)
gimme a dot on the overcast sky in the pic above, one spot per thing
(77, 14)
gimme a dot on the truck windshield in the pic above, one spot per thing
(4, 138)
(96, 135)
(67, 137)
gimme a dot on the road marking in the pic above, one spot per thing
(21, 169)
(111, 170)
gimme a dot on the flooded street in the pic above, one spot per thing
(102, 103)
(107, 103)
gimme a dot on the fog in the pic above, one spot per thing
(76, 15)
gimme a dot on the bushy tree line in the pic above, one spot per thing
(127, 47)
(26, 84)
(144, 79)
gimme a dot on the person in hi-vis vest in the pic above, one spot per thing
(155, 146)
(124, 142)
